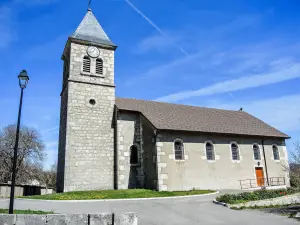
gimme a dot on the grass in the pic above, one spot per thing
(117, 194)
(260, 207)
(256, 195)
(5, 211)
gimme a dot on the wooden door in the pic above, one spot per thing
(259, 176)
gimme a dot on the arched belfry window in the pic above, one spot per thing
(134, 159)
(256, 152)
(275, 152)
(209, 148)
(235, 151)
(86, 66)
(99, 66)
(178, 149)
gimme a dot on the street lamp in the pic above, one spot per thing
(23, 81)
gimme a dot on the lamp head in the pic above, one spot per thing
(23, 79)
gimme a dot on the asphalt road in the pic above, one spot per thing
(182, 211)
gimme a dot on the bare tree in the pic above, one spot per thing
(30, 153)
(295, 166)
(48, 177)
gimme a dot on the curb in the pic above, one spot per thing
(221, 203)
(126, 199)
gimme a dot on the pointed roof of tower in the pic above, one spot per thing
(90, 30)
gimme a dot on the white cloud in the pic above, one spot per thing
(51, 130)
(287, 71)
(165, 35)
(51, 158)
(7, 23)
(282, 113)
(51, 144)
(156, 43)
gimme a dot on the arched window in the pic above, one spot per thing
(134, 155)
(99, 66)
(275, 152)
(256, 152)
(86, 66)
(235, 152)
(210, 155)
(178, 149)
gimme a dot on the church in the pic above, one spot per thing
(106, 142)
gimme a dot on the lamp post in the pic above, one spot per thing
(23, 80)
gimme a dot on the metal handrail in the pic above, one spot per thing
(262, 182)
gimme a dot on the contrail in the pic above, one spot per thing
(155, 26)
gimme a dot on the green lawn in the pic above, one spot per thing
(116, 194)
(256, 195)
(5, 211)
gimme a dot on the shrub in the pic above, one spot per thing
(256, 195)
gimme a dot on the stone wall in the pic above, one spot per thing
(86, 157)
(62, 140)
(24, 190)
(195, 171)
(129, 133)
(149, 156)
(75, 219)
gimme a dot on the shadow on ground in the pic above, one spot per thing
(289, 211)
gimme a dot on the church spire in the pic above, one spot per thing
(90, 30)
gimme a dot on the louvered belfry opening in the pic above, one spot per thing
(86, 64)
(99, 66)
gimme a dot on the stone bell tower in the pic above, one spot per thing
(86, 135)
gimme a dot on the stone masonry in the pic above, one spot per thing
(124, 218)
(86, 136)
(129, 134)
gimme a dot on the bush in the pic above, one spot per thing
(256, 195)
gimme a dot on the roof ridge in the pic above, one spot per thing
(192, 106)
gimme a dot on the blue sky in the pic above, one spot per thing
(224, 54)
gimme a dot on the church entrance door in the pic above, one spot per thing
(260, 176)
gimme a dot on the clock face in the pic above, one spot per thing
(93, 51)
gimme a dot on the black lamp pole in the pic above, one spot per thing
(23, 80)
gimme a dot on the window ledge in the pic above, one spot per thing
(179, 160)
(211, 161)
(92, 74)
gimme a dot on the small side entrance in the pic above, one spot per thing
(260, 176)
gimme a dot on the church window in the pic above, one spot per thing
(256, 152)
(86, 66)
(178, 150)
(134, 155)
(235, 151)
(275, 152)
(99, 66)
(209, 148)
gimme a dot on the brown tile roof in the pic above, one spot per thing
(166, 116)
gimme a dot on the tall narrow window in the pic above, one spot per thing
(134, 155)
(275, 152)
(178, 150)
(256, 152)
(99, 66)
(235, 152)
(86, 66)
(210, 155)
